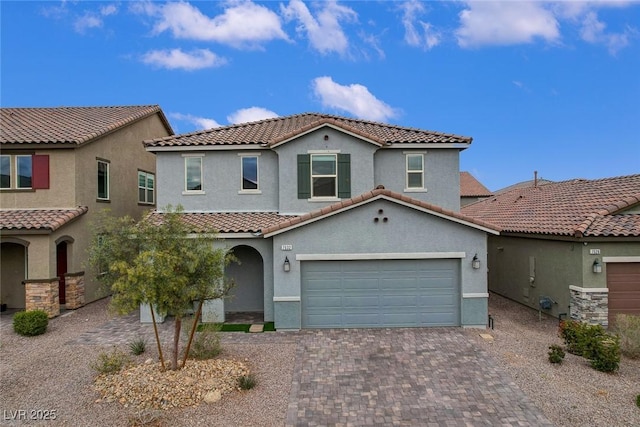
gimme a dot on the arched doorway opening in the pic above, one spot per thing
(14, 272)
(247, 296)
(61, 269)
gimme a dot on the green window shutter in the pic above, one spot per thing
(304, 176)
(344, 176)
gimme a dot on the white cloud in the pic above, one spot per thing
(324, 31)
(506, 23)
(201, 122)
(354, 99)
(250, 114)
(593, 31)
(177, 59)
(93, 19)
(426, 39)
(243, 23)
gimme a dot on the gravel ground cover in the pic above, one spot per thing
(571, 394)
(51, 374)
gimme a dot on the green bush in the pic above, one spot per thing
(580, 338)
(110, 363)
(556, 354)
(30, 323)
(138, 346)
(247, 382)
(628, 329)
(638, 401)
(206, 342)
(605, 353)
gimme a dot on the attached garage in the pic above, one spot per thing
(380, 293)
(623, 281)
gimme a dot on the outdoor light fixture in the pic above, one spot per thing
(597, 267)
(475, 262)
(286, 265)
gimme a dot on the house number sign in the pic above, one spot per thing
(287, 247)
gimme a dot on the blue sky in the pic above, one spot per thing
(546, 86)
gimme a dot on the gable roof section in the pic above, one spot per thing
(225, 222)
(69, 125)
(371, 196)
(471, 187)
(579, 207)
(275, 131)
(38, 220)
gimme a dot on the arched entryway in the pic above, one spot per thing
(61, 269)
(14, 272)
(248, 293)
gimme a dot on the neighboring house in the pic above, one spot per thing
(569, 248)
(58, 168)
(471, 190)
(300, 201)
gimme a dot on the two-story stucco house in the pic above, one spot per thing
(58, 168)
(336, 222)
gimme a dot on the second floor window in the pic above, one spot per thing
(103, 180)
(193, 174)
(249, 173)
(16, 171)
(146, 187)
(415, 171)
(322, 176)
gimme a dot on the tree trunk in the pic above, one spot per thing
(196, 319)
(176, 343)
(155, 330)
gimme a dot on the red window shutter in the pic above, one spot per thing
(40, 175)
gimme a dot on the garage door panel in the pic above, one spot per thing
(623, 281)
(380, 293)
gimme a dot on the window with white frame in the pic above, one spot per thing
(146, 187)
(193, 174)
(249, 174)
(16, 171)
(415, 171)
(324, 175)
(103, 179)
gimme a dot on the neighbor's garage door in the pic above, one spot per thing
(380, 293)
(623, 281)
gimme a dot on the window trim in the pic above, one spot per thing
(186, 158)
(407, 188)
(108, 180)
(14, 175)
(334, 176)
(146, 188)
(249, 190)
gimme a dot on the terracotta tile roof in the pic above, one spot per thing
(69, 125)
(38, 219)
(576, 207)
(270, 132)
(471, 187)
(370, 196)
(227, 222)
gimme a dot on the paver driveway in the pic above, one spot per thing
(417, 377)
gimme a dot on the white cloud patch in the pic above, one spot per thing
(177, 59)
(354, 99)
(200, 122)
(243, 23)
(424, 35)
(506, 23)
(250, 114)
(324, 31)
(593, 31)
(92, 19)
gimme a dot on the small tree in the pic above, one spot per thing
(159, 262)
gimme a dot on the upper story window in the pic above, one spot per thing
(193, 174)
(415, 171)
(249, 165)
(146, 187)
(324, 176)
(24, 171)
(103, 179)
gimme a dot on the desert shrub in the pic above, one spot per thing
(30, 323)
(556, 354)
(137, 346)
(580, 338)
(110, 363)
(247, 382)
(628, 329)
(605, 353)
(638, 401)
(206, 342)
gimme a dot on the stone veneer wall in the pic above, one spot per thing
(42, 294)
(74, 290)
(589, 305)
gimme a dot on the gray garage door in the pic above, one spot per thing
(380, 293)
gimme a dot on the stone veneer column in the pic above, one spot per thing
(74, 290)
(42, 294)
(589, 305)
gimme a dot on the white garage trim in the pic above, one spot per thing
(580, 289)
(621, 259)
(476, 295)
(372, 256)
(286, 299)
